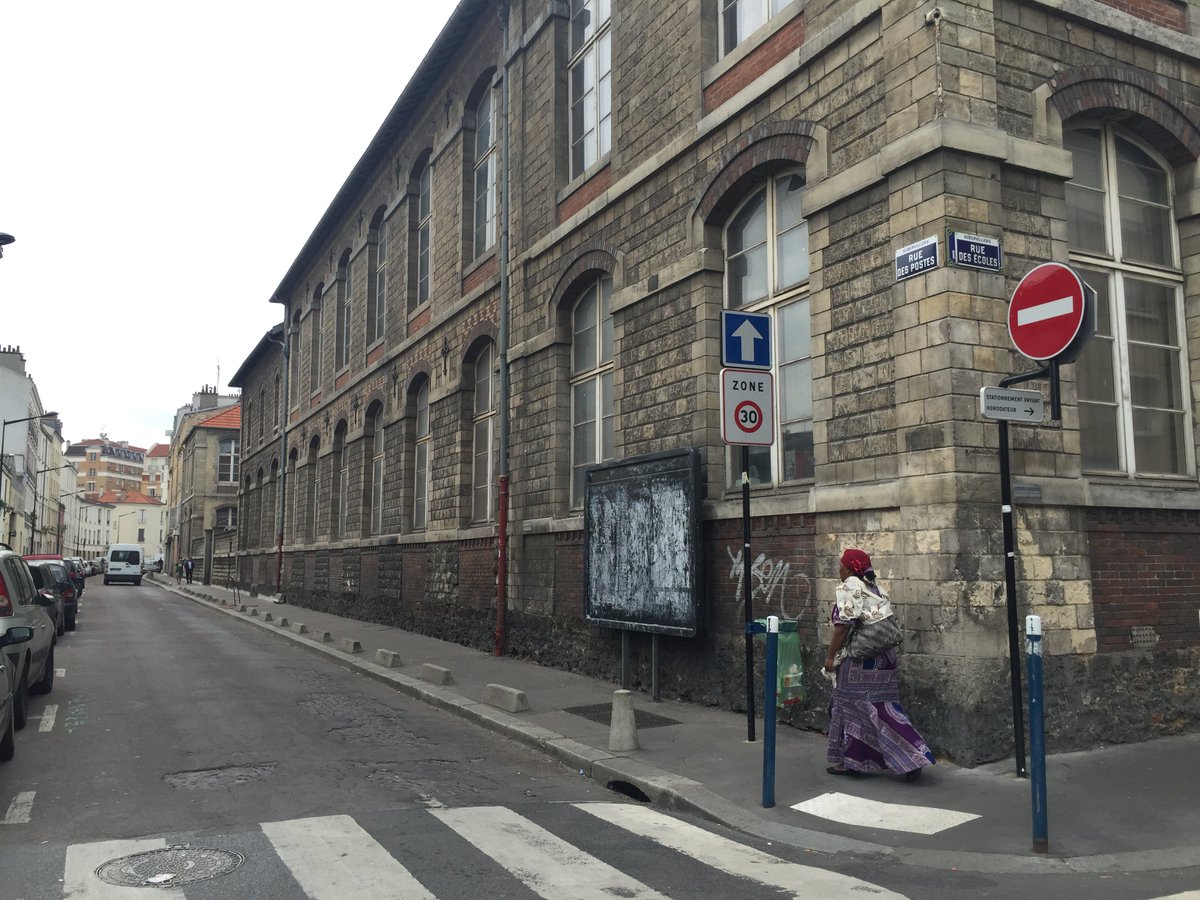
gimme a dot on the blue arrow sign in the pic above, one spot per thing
(745, 340)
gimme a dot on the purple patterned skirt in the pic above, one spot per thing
(868, 730)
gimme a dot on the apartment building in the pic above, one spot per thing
(818, 163)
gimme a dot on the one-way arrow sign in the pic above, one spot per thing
(745, 340)
(1013, 405)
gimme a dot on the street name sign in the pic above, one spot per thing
(974, 251)
(745, 339)
(747, 407)
(1011, 405)
(917, 258)
(1048, 312)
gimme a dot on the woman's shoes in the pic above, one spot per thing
(912, 776)
(838, 770)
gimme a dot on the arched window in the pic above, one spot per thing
(484, 435)
(297, 496)
(377, 252)
(344, 313)
(591, 383)
(766, 270)
(340, 481)
(1132, 378)
(310, 494)
(375, 475)
(421, 461)
(316, 344)
(591, 83)
(293, 372)
(485, 166)
(262, 412)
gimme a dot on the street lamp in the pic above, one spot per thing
(4, 432)
(33, 516)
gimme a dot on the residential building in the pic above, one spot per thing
(105, 465)
(157, 475)
(134, 519)
(204, 465)
(526, 273)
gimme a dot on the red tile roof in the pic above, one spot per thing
(226, 417)
(157, 450)
(128, 497)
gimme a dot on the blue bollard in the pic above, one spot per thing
(1037, 732)
(770, 679)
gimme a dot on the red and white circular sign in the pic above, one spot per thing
(1046, 312)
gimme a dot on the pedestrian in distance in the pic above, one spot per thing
(179, 571)
(868, 729)
(188, 565)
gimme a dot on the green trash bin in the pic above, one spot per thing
(789, 676)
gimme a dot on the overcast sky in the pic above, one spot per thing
(161, 165)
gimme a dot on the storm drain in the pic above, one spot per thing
(602, 712)
(179, 864)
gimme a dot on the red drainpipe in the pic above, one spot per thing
(501, 568)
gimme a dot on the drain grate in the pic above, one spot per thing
(179, 864)
(602, 712)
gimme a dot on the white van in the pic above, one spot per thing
(124, 563)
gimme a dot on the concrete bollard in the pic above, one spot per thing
(622, 732)
(283, 622)
(436, 674)
(267, 617)
(300, 628)
(349, 645)
(506, 698)
(252, 611)
(323, 636)
(389, 658)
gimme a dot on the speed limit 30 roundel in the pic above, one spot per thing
(1047, 310)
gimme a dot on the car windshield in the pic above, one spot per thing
(127, 556)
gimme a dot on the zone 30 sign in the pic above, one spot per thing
(747, 407)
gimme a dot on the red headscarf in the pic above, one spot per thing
(856, 561)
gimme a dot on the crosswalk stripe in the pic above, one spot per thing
(333, 858)
(737, 859)
(851, 810)
(20, 810)
(547, 865)
(80, 881)
(48, 716)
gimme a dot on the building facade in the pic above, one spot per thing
(105, 465)
(666, 163)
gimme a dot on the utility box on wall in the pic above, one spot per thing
(643, 562)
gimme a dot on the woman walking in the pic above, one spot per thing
(868, 730)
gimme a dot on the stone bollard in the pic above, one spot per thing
(622, 733)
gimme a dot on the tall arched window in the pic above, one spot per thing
(340, 481)
(377, 253)
(421, 461)
(316, 344)
(1132, 380)
(375, 475)
(766, 270)
(483, 438)
(591, 383)
(344, 312)
(591, 83)
(421, 225)
(310, 493)
(485, 175)
(297, 495)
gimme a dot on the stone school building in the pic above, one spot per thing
(570, 194)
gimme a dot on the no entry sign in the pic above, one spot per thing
(1047, 312)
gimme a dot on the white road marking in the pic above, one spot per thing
(80, 881)
(1051, 309)
(737, 859)
(60, 673)
(20, 810)
(547, 865)
(49, 714)
(890, 816)
(333, 858)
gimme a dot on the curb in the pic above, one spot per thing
(672, 791)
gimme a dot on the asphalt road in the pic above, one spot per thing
(277, 773)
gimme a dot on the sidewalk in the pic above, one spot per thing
(1127, 808)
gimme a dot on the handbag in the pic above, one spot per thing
(871, 640)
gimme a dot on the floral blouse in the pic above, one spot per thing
(858, 601)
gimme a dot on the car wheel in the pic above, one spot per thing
(8, 744)
(106, 581)
(61, 624)
(137, 582)
(70, 623)
(45, 684)
(21, 701)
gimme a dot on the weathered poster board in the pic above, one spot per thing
(643, 558)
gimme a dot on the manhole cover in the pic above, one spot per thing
(165, 868)
(602, 712)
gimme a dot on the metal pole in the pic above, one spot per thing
(770, 676)
(1010, 593)
(1037, 732)
(746, 598)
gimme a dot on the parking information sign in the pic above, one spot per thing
(1011, 405)
(747, 407)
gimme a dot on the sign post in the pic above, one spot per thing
(1051, 316)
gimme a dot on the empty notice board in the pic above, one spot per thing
(642, 565)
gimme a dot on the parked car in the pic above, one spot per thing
(32, 661)
(52, 577)
(74, 569)
(18, 634)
